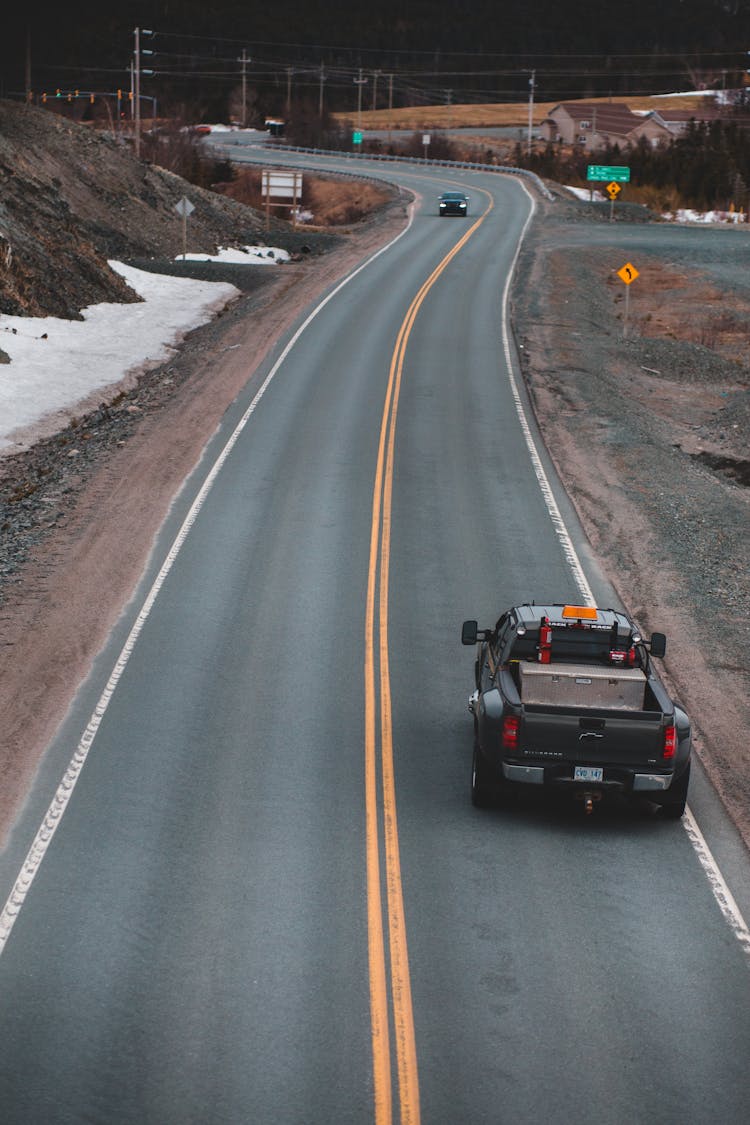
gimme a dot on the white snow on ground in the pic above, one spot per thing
(244, 255)
(58, 365)
(676, 216)
(706, 216)
(586, 193)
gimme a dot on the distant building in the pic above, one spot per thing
(594, 125)
(677, 120)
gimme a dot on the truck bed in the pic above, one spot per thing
(582, 685)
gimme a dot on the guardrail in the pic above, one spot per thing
(465, 165)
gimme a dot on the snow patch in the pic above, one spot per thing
(56, 365)
(243, 255)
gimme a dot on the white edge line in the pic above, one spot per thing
(719, 888)
(721, 891)
(64, 792)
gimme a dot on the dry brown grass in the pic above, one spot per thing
(494, 114)
(338, 203)
(682, 305)
(331, 202)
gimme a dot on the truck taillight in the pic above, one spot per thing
(626, 657)
(670, 742)
(510, 732)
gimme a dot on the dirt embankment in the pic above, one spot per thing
(72, 199)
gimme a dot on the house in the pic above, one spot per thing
(677, 120)
(594, 125)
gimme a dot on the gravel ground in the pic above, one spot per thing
(649, 424)
(649, 430)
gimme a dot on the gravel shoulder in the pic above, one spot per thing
(649, 430)
(648, 423)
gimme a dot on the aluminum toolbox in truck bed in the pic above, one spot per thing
(582, 685)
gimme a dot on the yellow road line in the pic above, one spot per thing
(377, 581)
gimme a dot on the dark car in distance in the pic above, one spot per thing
(453, 203)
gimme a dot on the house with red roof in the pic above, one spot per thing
(595, 125)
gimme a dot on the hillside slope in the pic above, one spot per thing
(71, 198)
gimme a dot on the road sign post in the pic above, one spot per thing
(613, 190)
(627, 274)
(184, 208)
(281, 186)
(611, 174)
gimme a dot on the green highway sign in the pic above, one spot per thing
(357, 137)
(602, 172)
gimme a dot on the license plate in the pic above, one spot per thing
(588, 773)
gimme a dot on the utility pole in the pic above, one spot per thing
(28, 63)
(320, 91)
(375, 75)
(289, 73)
(137, 91)
(359, 83)
(244, 61)
(531, 109)
(390, 105)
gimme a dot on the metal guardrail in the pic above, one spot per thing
(465, 165)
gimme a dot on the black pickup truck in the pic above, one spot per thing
(568, 696)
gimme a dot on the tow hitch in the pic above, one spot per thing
(589, 797)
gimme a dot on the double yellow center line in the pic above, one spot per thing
(376, 661)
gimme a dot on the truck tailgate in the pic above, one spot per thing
(596, 737)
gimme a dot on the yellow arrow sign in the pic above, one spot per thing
(627, 273)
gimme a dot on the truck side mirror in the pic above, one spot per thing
(658, 644)
(469, 633)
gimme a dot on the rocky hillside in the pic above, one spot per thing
(71, 198)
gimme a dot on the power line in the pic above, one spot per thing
(231, 70)
(506, 80)
(646, 54)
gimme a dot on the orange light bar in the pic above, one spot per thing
(580, 612)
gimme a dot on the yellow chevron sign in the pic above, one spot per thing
(627, 273)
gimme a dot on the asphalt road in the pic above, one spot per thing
(264, 896)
